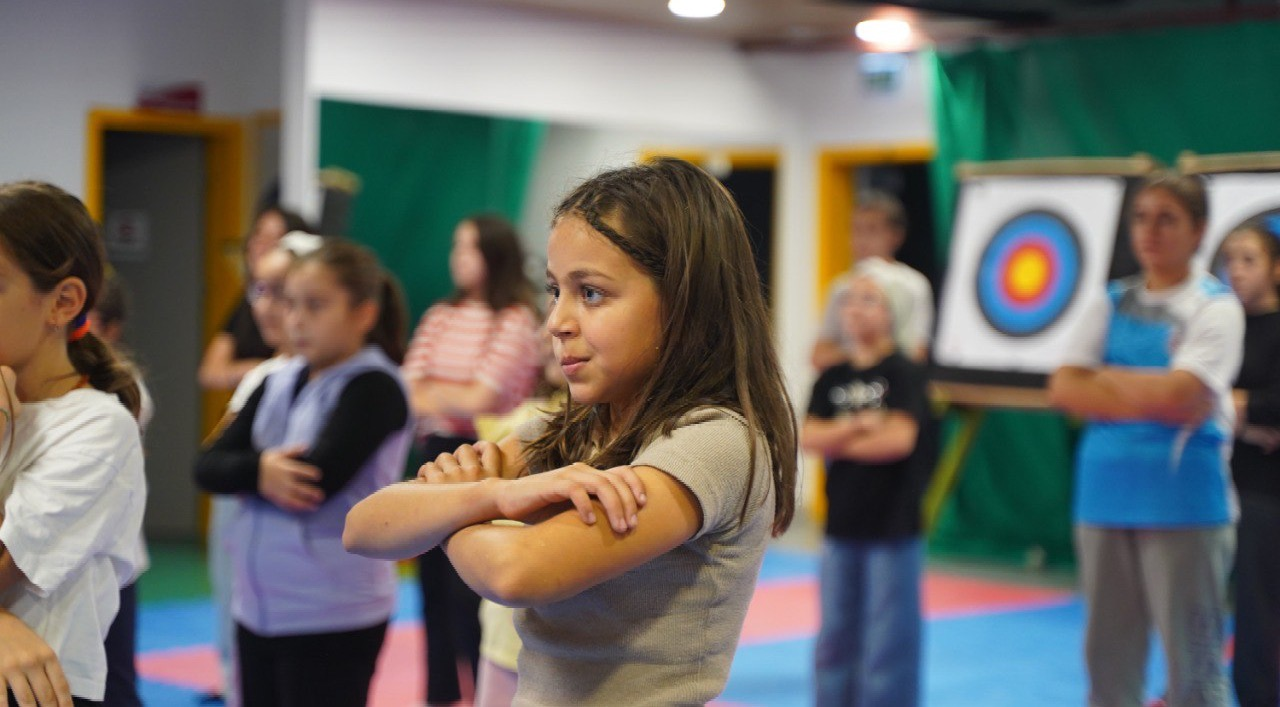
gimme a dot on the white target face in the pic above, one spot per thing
(1024, 251)
(1234, 200)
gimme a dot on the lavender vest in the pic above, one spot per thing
(291, 574)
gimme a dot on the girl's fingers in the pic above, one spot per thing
(632, 480)
(624, 519)
(582, 501)
(40, 686)
(448, 463)
(21, 690)
(602, 487)
(61, 687)
(490, 458)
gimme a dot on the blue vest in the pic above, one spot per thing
(1149, 474)
(292, 575)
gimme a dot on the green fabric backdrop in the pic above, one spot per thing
(1207, 89)
(422, 172)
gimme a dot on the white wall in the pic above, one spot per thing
(608, 92)
(59, 58)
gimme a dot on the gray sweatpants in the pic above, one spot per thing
(1176, 579)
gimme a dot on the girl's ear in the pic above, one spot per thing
(366, 314)
(67, 300)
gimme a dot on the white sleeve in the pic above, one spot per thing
(1212, 345)
(1087, 342)
(921, 310)
(831, 330)
(83, 498)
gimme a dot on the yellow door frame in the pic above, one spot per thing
(225, 215)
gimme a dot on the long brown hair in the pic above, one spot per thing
(682, 228)
(359, 273)
(505, 281)
(51, 237)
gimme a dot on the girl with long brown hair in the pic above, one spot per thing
(678, 435)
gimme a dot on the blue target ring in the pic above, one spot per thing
(1029, 273)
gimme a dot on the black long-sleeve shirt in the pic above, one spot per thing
(1254, 471)
(370, 407)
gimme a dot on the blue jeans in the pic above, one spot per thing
(868, 650)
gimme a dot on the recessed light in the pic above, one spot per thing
(695, 8)
(892, 33)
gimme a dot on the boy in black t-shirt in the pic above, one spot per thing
(865, 417)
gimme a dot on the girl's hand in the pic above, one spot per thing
(619, 490)
(287, 482)
(483, 460)
(29, 667)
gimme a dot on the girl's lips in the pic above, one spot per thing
(570, 365)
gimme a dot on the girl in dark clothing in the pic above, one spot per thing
(1250, 259)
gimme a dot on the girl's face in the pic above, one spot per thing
(466, 262)
(1250, 269)
(24, 314)
(321, 322)
(867, 317)
(267, 232)
(604, 317)
(266, 295)
(1163, 234)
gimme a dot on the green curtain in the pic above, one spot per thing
(421, 172)
(1210, 89)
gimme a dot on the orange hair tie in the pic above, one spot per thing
(81, 324)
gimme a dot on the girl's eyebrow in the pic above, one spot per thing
(582, 274)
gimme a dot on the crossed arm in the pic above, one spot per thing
(1174, 397)
(565, 547)
(873, 436)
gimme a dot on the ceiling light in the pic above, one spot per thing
(888, 33)
(695, 8)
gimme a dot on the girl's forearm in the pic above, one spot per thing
(411, 517)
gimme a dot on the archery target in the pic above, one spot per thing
(1234, 200)
(1025, 253)
(1029, 273)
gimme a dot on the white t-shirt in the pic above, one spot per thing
(1208, 338)
(918, 327)
(74, 494)
(253, 380)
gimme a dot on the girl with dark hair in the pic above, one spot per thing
(1250, 259)
(238, 347)
(678, 435)
(475, 353)
(327, 428)
(1150, 369)
(71, 478)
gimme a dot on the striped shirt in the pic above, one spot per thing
(468, 342)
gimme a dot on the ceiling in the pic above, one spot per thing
(828, 24)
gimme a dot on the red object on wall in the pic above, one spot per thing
(187, 96)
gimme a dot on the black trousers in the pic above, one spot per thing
(1256, 667)
(121, 644)
(450, 610)
(331, 669)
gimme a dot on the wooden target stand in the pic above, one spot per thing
(971, 400)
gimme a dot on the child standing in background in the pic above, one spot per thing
(72, 480)
(1250, 257)
(327, 429)
(1150, 368)
(865, 418)
(473, 354)
(107, 320)
(650, 498)
(266, 297)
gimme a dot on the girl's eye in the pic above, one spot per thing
(591, 295)
(553, 291)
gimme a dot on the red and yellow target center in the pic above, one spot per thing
(1028, 272)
